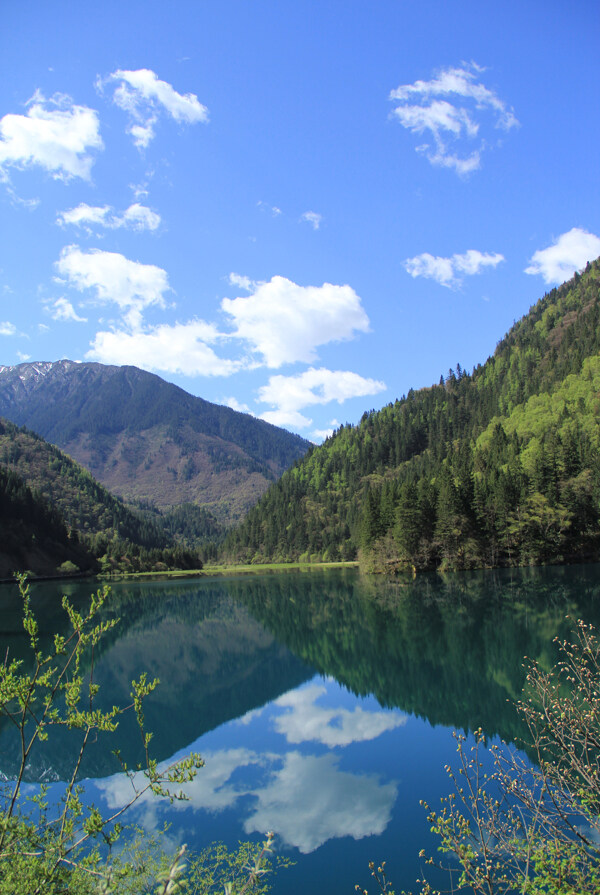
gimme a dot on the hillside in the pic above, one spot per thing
(82, 502)
(33, 534)
(146, 439)
(49, 499)
(497, 467)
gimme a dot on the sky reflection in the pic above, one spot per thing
(306, 798)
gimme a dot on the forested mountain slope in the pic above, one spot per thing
(48, 497)
(146, 439)
(500, 466)
(33, 535)
(83, 503)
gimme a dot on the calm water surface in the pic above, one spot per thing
(323, 704)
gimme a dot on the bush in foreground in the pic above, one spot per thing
(523, 828)
(50, 849)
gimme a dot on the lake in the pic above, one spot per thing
(323, 703)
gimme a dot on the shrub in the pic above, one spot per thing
(523, 828)
(50, 849)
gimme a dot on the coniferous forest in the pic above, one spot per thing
(500, 466)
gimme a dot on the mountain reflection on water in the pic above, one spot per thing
(446, 648)
(320, 701)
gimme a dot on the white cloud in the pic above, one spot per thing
(241, 408)
(55, 134)
(7, 329)
(291, 419)
(285, 322)
(62, 309)
(308, 722)
(319, 435)
(245, 283)
(136, 217)
(23, 357)
(449, 271)
(313, 218)
(180, 348)
(452, 108)
(29, 204)
(85, 214)
(114, 279)
(568, 254)
(273, 209)
(139, 190)
(144, 97)
(290, 394)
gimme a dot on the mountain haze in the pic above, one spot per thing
(146, 439)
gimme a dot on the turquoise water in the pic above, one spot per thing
(323, 704)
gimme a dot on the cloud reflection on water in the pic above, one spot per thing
(306, 799)
(305, 721)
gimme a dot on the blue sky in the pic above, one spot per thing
(299, 209)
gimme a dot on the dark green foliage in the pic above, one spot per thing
(33, 534)
(82, 501)
(497, 467)
(54, 512)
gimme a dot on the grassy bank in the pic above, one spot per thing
(214, 571)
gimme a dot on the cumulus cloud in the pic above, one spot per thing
(62, 309)
(567, 254)
(145, 97)
(313, 218)
(455, 109)
(305, 721)
(55, 134)
(7, 328)
(290, 419)
(136, 217)
(182, 348)
(113, 278)
(290, 394)
(286, 323)
(450, 271)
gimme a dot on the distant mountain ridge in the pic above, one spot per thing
(147, 439)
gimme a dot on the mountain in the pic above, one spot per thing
(82, 502)
(146, 439)
(497, 467)
(33, 534)
(53, 511)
